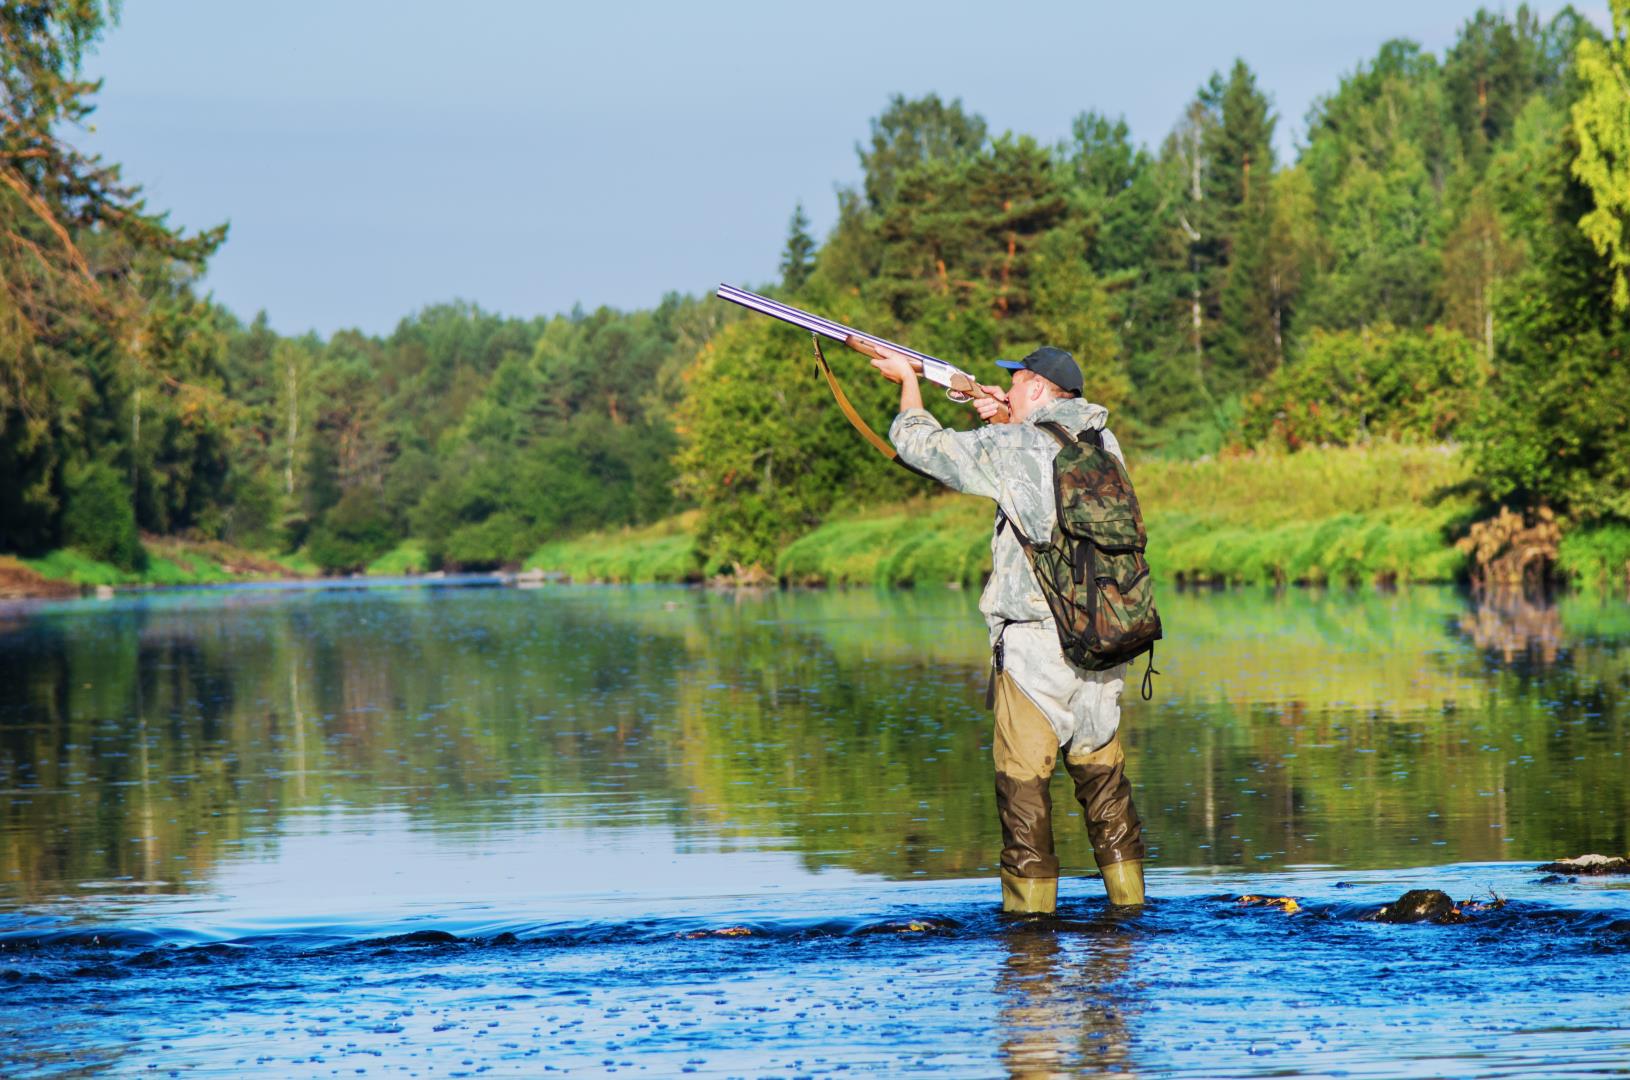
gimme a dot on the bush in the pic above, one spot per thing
(1596, 557)
(353, 533)
(100, 519)
(1350, 387)
(502, 539)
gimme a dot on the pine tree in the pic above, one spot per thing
(913, 132)
(798, 254)
(1239, 198)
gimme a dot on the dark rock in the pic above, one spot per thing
(1588, 864)
(1419, 905)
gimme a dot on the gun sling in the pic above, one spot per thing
(849, 410)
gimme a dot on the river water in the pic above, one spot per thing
(469, 830)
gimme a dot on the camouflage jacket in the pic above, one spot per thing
(1013, 465)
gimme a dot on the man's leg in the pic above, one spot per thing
(1113, 824)
(1025, 749)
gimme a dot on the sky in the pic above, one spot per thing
(374, 157)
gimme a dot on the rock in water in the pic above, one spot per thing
(1588, 864)
(1419, 905)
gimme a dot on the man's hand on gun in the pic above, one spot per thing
(990, 407)
(896, 366)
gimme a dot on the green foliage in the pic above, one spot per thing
(1348, 387)
(169, 562)
(353, 533)
(1348, 549)
(1235, 222)
(798, 256)
(1598, 556)
(1553, 429)
(914, 133)
(1444, 259)
(99, 520)
(1382, 513)
(408, 557)
(943, 542)
(93, 303)
(500, 539)
(1601, 122)
(767, 454)
(663, 552)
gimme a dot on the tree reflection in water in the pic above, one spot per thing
(144, 742)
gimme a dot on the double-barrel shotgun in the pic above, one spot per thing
(959, 385)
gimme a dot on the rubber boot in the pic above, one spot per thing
(1029, 895)
(1123, 881)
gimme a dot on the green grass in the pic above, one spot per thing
(66, 564)
(1597, 557)
(408, 557)
(663, 552)
(1398, 545)
(169, 562)
(930, 542)
(1380, 513)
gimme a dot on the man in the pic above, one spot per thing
(1045, 706)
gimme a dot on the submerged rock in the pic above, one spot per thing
(1284, 903)
(1588, 864)
(1420, 905)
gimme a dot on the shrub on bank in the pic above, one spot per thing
(1596, 557)
(355, 532)
(99, 519)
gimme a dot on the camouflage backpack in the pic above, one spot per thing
(1092, 570)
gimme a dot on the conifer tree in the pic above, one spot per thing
(798, 255)
(1236, 229)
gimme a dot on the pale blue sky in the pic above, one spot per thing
(374, 157)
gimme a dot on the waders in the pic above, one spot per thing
(1025, 750)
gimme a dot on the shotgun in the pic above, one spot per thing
(959, 385)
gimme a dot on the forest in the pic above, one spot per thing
(1443, 263)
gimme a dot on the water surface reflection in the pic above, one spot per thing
(743, 833)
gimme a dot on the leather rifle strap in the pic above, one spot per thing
(849, 410)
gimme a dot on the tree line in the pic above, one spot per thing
(1443, 260)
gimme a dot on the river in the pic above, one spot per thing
(462, 829)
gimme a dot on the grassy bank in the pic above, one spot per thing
(665, 551)
(1379, 513)
(1382, 513)
(170, 561)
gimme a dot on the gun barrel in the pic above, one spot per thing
(775, 309)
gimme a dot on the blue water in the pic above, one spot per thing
(501, 832)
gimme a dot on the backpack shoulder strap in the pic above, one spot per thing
(1059, 432)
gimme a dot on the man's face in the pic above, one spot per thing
(1023, 394)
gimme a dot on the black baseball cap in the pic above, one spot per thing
(1055, 365)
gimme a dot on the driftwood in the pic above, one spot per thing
(1510, 550)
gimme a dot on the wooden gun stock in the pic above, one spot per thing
(959, 383)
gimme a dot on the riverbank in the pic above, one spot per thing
(1385, 513)
(170, 561)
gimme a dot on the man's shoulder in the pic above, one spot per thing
(1024, 436)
